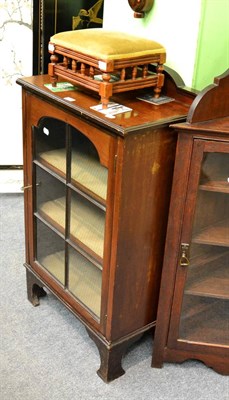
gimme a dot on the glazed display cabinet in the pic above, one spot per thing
(97, 193)
(193, 315)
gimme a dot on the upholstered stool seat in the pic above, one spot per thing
(105, 61)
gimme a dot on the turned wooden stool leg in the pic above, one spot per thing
(34, 289)
(160, 81)
(105, 90)
(53, 76)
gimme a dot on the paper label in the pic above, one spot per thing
(45, 131)
(51, 47)
(69, 99)
(102, 65)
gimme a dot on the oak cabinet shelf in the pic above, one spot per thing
(96, 208)
(77, 159)
(217, 169)
(216, 186)
(215, 234)
(84, 281)
(193, 311)
(213, 282)
(86, 172)
(207, 325)
(86, 222)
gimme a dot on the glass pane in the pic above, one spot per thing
(205, 320)
(50, 199)
(215, 172)
(86, 170)
(85, 281)
(50, 251)
(87, 224)
(205, 308)
(50, 147)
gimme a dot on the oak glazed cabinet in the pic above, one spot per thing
(96, 201)
(193, 311)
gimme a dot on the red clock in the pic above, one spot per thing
(140, 7)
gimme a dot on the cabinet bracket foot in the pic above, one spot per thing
(111, 356)
(34, 288)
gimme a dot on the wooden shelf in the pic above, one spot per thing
(207, 325)
(204, 255)
(85, 282)
(53, 212)
(221, 186)
(54, 160)
(215, 173)
(85, 170)
(216, 234)
(87, 223)
(84, 278)
(55, 264)
(213, 281)
(90, 173)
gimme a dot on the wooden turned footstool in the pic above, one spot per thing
(105, 61)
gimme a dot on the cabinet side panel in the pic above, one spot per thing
(143, 209)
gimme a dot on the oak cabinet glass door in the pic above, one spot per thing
(202, 314)
(70, 210)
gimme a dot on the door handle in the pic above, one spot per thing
(184, 259)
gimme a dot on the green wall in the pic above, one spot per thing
(212, 54)
(195, 34)
(174, 24)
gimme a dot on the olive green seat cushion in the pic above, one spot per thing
(106, 45)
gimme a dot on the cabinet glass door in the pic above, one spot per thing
(50, 199)
(50, 251)
(202, 314)
(85, 280)
(87, 225)
(50, 144)
(87, 173)
(70, 209)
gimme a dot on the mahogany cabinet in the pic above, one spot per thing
(97, 193)
(193, 312)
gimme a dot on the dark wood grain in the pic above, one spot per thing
(192, 317)
(138, 148)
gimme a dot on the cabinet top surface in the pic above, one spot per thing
(209, 111)
(219, 125)
(79, 101)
